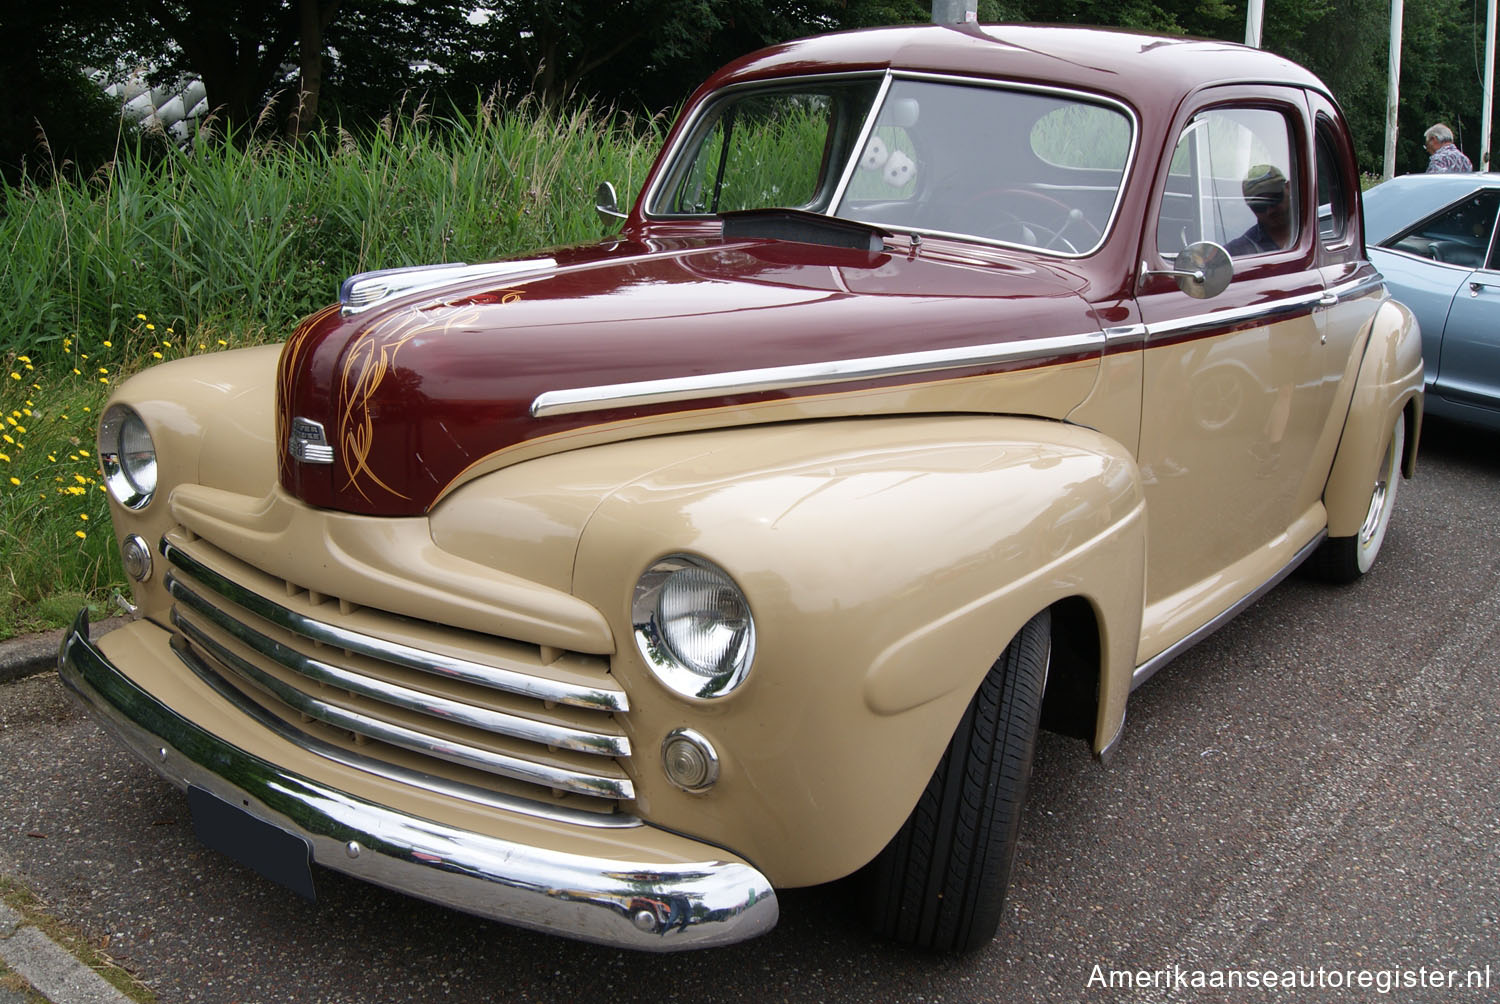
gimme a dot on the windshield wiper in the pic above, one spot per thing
(805, 228)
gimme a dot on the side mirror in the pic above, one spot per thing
(607, 203)
(1202, 270)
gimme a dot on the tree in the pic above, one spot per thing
(239, 50)
(54, 114)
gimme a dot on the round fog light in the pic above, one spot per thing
(136, 555)
(690, 760)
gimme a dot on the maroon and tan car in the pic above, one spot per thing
(941, 385)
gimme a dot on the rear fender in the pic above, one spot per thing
(1389, 383)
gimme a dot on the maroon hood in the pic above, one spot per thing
(413, 392)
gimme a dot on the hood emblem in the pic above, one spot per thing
(307, 442)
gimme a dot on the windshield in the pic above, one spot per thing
(1030, 168)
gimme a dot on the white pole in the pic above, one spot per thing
(1392, 92)
(1489, 86)
(1252, 22)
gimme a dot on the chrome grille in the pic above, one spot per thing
(533, 721)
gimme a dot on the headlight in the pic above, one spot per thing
(127, 456)
(693, 626)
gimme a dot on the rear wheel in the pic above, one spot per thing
(940, 883)
(1344, 559)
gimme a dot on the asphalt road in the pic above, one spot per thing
(1311, 789)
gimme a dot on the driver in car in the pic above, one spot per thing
(1265, 191)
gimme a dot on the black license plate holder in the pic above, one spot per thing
(282, 857)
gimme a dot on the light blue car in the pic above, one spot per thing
(1434, 237)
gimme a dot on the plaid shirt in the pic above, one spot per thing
(1449, 159)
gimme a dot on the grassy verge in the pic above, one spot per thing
(94, 955)
(227, 244)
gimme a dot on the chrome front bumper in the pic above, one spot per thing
(626, 904)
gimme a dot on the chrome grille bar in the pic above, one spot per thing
(552, 776)
(443, 708)
(598, 698)
(386, 769)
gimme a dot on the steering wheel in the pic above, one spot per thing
(993, 202)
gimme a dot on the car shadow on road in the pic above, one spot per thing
(1474, 447)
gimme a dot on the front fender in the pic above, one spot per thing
(887, 563)
(1390, 378)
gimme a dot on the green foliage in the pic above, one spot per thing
(55, 537)
(248, 237)
(225, 244)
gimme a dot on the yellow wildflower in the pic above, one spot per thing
(15, 481)
(107, 344)
(24, 359)
(140, 317)
(156, 355)
(80, 535)
(83, 516)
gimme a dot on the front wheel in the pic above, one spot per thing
(940, 883)
(1344, 559)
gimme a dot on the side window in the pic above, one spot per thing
(769, 148)
(1459, 235)
(1333, 194)
(1233, 180)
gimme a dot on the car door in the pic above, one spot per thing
(1236, 394)
(1468, 369)
(1447, 270)
(1352, 289)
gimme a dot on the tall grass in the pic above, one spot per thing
(252, 236)
(230, 243)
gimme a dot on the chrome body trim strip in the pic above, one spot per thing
(1238, 315)
(1147, 669)
(410, 739)
(1359, 287)
(651, 906)
(1126, 335)
(647, 392)
(442, 708)
(495, 677)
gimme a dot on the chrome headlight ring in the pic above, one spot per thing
(127, 457)
(693, 626)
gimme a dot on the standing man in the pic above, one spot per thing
(1443, 156)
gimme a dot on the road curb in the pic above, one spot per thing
(30, 654)
(51, 969)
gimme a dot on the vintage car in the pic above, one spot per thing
(917, 405)
(1433, 237)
